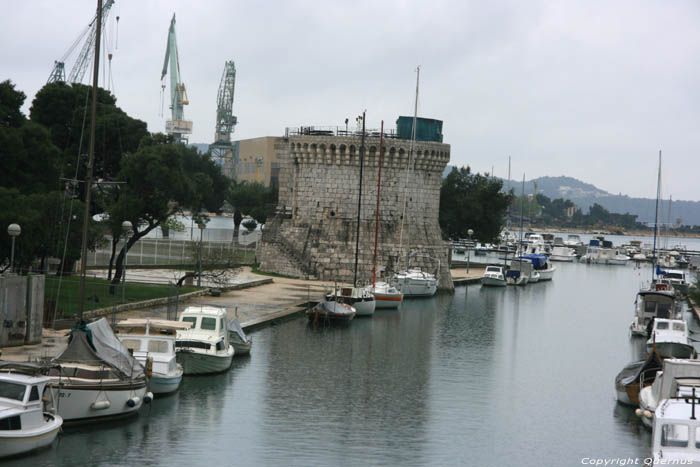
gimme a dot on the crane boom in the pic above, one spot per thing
(225, 120)
(177, 125)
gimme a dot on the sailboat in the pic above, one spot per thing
(385, 294)
(95, 377)
(361, 298)
(413, 282)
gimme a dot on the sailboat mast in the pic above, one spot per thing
(656, 219)
(91, 159)
(410, 166)
(522, 201)
(359, 198)
(376, 214)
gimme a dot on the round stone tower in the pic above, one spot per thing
(314, 231)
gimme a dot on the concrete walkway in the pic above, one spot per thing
(258, 306)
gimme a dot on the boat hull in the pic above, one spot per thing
(547, 274)
(673, 349)
(493, 282)
(161, 384)
(85, 403)
(388, 301)
(417, 288)
(567, 259)
(16, 442)
(196, 363)
(241, 348)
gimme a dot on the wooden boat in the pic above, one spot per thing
(635, 376)
(238, 339)
(333, 311)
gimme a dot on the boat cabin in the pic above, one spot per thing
(494, 269)
(676, 431)
(653, 304)
(21, 404)
(154, 339)
(209, 329)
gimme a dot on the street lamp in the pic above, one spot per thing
(202, 226)
(13, 230)
(127, 229)
(470, 232)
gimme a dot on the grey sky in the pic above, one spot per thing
(588, 89)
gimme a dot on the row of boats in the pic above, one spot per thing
(107, 373)
(664, 388)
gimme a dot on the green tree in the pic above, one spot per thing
(161, 180)
(253, 199)
(472, 201)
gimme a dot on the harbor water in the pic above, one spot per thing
(517, 376)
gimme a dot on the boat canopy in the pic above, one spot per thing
(538, 261)
(235, 326)
(96, 344)
(593, 242)
(512, 274)
(607, 244)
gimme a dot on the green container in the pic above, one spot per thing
(427, 129)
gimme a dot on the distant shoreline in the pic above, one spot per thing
(628, 233)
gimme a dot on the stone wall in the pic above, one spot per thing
(21, 309)
(316, 225)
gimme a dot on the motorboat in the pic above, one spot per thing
(656, 302)
(361, 298)
(96, 377)
(635, 376)
(386, 295)
(562, 253)
(670, 338)
(415, 283)
(205, 347)
(239, 340)
(573, 240)
(24, 423)
(494, 276)
(152, 343)
(519, 272)
(676, 432)
(676, 277)
(602, 252)
(678, 379)
(543, 270)
(331, 311)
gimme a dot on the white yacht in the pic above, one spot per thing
(670, 338)
(415, 283)
(652, 303)
(152, 343)
(494, 276)
(205, 347)
(96, 377)
(386, 295)
(361, 298)
(562, 253)
(24, 425)
(678, 279)
(573, 240)
(676, 432)
(677, 379)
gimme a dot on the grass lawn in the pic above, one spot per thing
(98, 296)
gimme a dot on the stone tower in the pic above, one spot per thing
(314, 230)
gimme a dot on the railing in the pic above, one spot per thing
(336, 131)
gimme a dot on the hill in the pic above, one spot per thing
(584, 195)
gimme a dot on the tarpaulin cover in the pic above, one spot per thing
(234, 326)
(539, 261)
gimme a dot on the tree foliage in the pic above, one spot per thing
(252, 199)
(472, 201)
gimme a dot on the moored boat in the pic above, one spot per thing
(494, 276)
(635, 376)
(387, 296)
(415, 283)
(670, 338)
(677, 379)
(204, 348)
(24, 425)
(359, 297)
(676, 432)
(239, 340)
(652, 303)
(331, 311)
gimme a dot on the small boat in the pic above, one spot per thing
(656, 302)
(415, 283)
(515, 277)
(24, 425)
(562, 253)
(152, 343)
(96, 377)
(670, 338)
(524, 272)
(542, 269)
(635, 376)
(361, 298)
(573, 240)
(675, 277)
(240, 342)
(332, 311)
(677, 379)
(494, 276)
(676, 432)
(204, 348)
(387, 296)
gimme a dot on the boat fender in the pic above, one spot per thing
(638, 413)
(133, 401)
(648, 414)
(148, 398)
(149, 366)
(100, 405)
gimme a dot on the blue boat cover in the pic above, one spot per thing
(539, 261)
(512, 273)
(594, 242)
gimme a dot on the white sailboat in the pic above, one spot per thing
(413, 282)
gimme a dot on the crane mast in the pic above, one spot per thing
(80, 66)
(222, 149)
(177, 125)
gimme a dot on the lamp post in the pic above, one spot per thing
(13, 230)
(126, 228)
(202, 226)
(470, 232)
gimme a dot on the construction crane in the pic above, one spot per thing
(222, 150)
(177, 125)
(81, 64)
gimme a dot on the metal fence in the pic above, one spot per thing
(167, 252)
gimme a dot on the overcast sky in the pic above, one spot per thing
(588, 89)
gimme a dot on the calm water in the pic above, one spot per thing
(492, 377)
